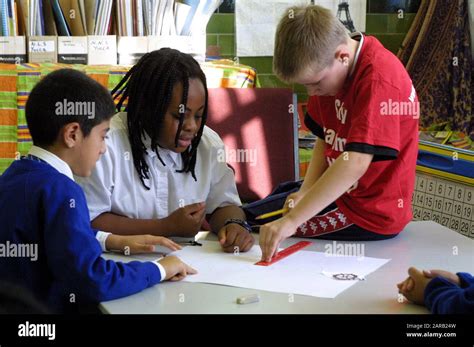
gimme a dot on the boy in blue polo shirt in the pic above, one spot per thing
(47, 241)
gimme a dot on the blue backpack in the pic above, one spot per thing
(273, 202)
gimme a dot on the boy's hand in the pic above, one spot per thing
(187, 220)
(233, 237)
(406, 286)
(446, 274)
(271, 234)
(134, 244)
(175, 269)
(413, 288)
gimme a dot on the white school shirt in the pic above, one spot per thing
(64, 168)
(114, 185)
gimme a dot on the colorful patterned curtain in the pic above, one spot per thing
(437, 55)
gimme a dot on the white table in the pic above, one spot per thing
(425, 245)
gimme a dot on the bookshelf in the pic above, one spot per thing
(101, 32)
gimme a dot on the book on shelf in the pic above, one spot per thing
(73, 30)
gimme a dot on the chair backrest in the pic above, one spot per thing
(259, 130)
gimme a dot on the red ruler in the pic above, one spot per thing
(285, 253)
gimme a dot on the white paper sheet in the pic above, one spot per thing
(300, 273)
(256, 22)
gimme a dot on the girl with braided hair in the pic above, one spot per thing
(161, 174)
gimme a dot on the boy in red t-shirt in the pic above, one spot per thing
(364, 110)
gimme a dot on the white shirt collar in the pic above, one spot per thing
(52, 160)
(359, 48)
(167, 155)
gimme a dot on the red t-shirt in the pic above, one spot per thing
(376, 112)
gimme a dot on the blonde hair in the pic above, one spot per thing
(306, 36)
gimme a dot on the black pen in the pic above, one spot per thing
(190, 243)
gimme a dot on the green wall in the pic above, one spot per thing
(383, 21)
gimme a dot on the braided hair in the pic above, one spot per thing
(148, 88)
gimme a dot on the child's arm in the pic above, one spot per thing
(232, 236)
(442, 296)
(138, 243)
(334, 182)
(121, 225)
(175, 269)
(317, 166)
(413, 288)
(74, 255)
(441, 291)
(442, 273)
(185, 222)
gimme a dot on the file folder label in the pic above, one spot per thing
(72, 49)
(131, 49)
(42, 49)
(102, 50)
(41, 46)
(12, 49)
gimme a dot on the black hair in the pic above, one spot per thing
(65, 96)
(148, 88)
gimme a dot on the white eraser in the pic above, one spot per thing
(248, 299)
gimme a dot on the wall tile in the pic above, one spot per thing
(221, 24)
(376, 23)
(399, 25)
(262, 64)
(227, 44)
(211, 39)
(271, 81)
(391, 41)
